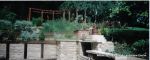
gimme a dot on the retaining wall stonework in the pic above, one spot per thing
(16, 51)
(34, 51)
(62, 50)
(67, 50)
(2, 50)
(49, 51)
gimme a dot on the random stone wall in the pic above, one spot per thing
(107, 47)
(34, 51)
(3, 50)
(16, 51)
(67, 50)
(62, 50)
(50, 51)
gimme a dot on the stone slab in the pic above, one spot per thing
(16, 51)
(49, 51)
(67, 50)
(34, 51)
(3, 50)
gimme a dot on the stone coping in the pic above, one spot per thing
(67, 40)
(100, 53)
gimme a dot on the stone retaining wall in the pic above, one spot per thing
(67, 50)
(34, 51)
(3, 50)
(62, 50)
(16, 51)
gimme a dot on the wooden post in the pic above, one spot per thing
(69, 15)
(41, 15)
(42, 50)
(29, 18)
(84, 16)
(53, 14)
(47, 17)
(77, 12)
(64, 13)
(95, 16)
(7, 51)
(25, 50)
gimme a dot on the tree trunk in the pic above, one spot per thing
(64, 13)
(53, 15)
(42, 15)
(85, 16)
(69, 15)
(76, 12)
(29, 18)
(95, 16)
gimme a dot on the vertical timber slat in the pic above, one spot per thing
(29, 14)
(25, 51)
(7, 51)
(42, 50)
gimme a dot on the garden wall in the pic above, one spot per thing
(27, 51)
(62, 50)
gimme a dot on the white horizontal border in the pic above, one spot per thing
(74, 0)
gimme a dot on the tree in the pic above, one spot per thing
(6, 14)
(130, 12)
(95, 7)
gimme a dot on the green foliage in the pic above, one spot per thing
(125, 35)
(130, 13)
(6, 14)
(32, 34)
(25, 35)
(5, 25)
(42, 36)
(37, 21)
(63, 29)
(123, 49)
(104, 30)
(64, 36)
(145, 13)
(99, 8)
(23, 25)
(140, 46)
(63, 26)
(119, 7)
(26, 29)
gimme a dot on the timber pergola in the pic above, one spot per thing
(42, 12)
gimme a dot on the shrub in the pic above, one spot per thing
(27, 31)
(128, 35)
(42, 36)
(141, 46)
(30, 35)
(5, 25)
(37, 21)
(25, 35)
(63, 26)
(23, 25)
(123, 49)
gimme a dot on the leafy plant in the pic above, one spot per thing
(23, 25)
(123, 49)
(6, 14)
(62, 26)
(25, 35)
(140, 46)
(26, 29)
(37, 21)
(5, 25)
(42, 36)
